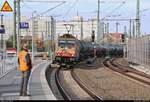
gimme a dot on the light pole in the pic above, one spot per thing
(32, 36)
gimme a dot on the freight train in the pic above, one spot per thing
(71, 50)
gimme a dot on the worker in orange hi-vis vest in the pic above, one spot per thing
(25, 66)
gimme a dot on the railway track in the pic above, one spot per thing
(111, 85)
(60, 87)
(85, 87)
(82, 91)
(127, 71)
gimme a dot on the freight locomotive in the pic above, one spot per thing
(71, 50)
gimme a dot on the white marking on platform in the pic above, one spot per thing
(17, 77)
(24, 98)
(47, 91)
(10, 94)
(34, 68)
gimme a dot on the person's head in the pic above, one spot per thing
(25, 47)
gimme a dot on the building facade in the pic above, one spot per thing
(42, 26)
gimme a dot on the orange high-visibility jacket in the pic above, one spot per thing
(24, 61)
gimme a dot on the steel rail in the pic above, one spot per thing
(109, 64)
(61, 89)
(84, 86)
(130, 69)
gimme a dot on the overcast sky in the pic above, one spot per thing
(88, 8)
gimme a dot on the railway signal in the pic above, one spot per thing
(123, 38)
(93, 36)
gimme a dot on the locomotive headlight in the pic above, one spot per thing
(72, 55)
(58, 54)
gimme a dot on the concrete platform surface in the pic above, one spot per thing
(37, 88)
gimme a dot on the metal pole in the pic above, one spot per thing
(42, 41)
(2, 35)
(33, 36)
(46, 36)
(49, 40)
(107, 31)
(103, 30)
(18, 29)
(125, 45)
(27, 30)
(52, 44)
(117, 24)
(14, 35)
(125, 33)
(130, 30)
(54, 34)
(133, 30)
(81, 29)
(107, 28)
(98, 21)
(138, 24)
(2, 50)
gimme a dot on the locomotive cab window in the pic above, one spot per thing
(71, 44)
(62, 44)
(67, 44)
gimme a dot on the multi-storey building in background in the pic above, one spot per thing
(43, 27)
(79, 26)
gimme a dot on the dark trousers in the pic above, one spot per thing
(24, 82)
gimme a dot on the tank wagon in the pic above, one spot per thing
(71, 50)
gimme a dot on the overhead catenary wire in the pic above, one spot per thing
(72, 6)
(28, 6)
(115, 9)
(41, 14)
(110, 6)
(53, 8)
(142, 12)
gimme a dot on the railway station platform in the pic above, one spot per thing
(38, 88)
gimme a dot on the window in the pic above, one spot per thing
(66, 44)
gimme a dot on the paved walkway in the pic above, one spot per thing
(38, 86)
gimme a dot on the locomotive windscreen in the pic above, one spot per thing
(66, 44)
